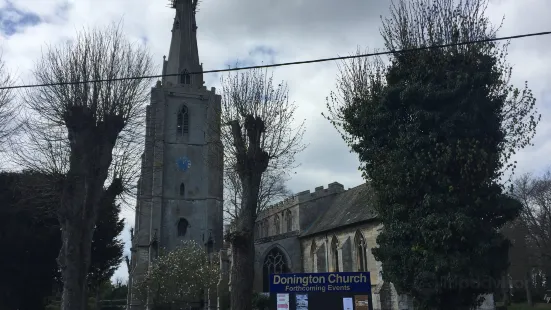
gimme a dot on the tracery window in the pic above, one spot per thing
(274, 263)
(185, 78)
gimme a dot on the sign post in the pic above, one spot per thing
(332, 290)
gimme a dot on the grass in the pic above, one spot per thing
(526, 307)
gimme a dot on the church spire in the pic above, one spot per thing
(183, 55)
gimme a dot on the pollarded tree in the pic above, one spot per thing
(434, 131)
(259, 135)
(92, 121)
(180, 277)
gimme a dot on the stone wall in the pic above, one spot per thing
(295, 213)
(318, 251)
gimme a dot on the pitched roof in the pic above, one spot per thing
(350, 207)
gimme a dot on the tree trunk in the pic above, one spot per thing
(83, 192)
(528, 287)
(252, 161)
(74, 278)
(505, 290)
(98, 303)
(75, 261)
(242, 242)
(242, 273)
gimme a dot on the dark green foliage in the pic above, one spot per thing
(434, 131)
(107, 248)
(260, 302)
(113, 296)
(30, 241)
(31, 237)
(435, 162)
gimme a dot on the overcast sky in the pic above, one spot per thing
(272, 31)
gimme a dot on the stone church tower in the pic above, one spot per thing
(180, 188)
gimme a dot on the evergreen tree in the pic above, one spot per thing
(434, 131)
(30, 233)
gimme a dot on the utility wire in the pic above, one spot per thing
(291, 63)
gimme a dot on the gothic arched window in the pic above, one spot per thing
(274, 263)
(313, 255)
(335, 254)
(361, 252)
(277, 224)
(182, 227)
(182, 189)
(183, 121)
(185, 78)
(210, 246)
(265, 227)
(289, 221)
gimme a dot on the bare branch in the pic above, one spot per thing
(255, 93)
(535, 195)
(272, 190)
(97, 54)
(8, 109)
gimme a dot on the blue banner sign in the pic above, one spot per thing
(353, 282)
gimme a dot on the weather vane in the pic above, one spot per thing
(172, 4)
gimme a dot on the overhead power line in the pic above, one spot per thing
(291, 63)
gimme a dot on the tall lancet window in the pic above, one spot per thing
(182, 227)
(183, 121)
(289, 220)
(185, 77)
(277, 224)
(335, 254)
(361, 252)
(182, 189)
(210, 247)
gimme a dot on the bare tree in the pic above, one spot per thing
(258, 134)
(272, 189)
(535, 195)
(8, 109)
(530, 233)
(85, 133)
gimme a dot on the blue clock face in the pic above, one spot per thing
(183, 163)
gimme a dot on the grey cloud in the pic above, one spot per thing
(253, 18)
(231, 30)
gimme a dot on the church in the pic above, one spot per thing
(330, 229)
(180, 194)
